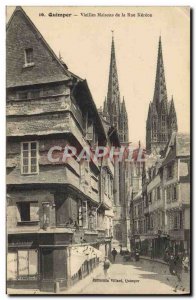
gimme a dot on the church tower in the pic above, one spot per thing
(114, 111)
(162, 119)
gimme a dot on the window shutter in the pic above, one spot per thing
(12, 265)
(23, 263)
(33, 261)
(34, 211)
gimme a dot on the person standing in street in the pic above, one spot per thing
(178, 266)
(171, 265)
(114, 253)
(178, 271)
(185, 262)
(106, 266)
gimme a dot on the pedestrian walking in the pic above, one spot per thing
(106, 266)
(178, 266)
(166, 255)
(151, 252)
(171, 265)
(185, 262)
(178, 271)
(137, 255)
(114, 253)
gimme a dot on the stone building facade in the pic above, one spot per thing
(161, 212)
(59, 212)
(176, 189)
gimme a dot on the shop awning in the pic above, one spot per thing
(80, 254)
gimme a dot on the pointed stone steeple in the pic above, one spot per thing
(160, 91)
(113, 94)
(114, 110)
(123, 107)
(172, 107)
(173, 125)
(123, 123)
(162, 119)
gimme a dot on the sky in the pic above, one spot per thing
(85, 44)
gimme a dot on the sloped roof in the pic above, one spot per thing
(179, 145)
(16, 76)
(182, 144)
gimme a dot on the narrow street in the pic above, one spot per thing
(143, 277)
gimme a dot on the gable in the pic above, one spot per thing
(21, 35)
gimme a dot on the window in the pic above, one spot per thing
(170, 171)
(35, 93)
(22, 95)
(84, 214)
(135, 210)
(92, 224)
(109, 182)
(29, 57)
(168, 190)
(177, 220)
(175, 193)
(29, 154)
(106, 183)
(111, 186)
(151, 222)
(158, 193)
(89, 131)
(28, 212)
(29, 94)
(140, 209)
(135, 226)
(150, 197)
(22, 264)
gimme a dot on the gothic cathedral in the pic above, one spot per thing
(115, 113)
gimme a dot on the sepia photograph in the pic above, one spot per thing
(98, 155)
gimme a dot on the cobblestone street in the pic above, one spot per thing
(98, 162)
(143, 277)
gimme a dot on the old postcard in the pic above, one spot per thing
(98, 150)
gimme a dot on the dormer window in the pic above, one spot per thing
(29, 57)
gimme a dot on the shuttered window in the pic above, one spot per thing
(22, 264)
(28, 211)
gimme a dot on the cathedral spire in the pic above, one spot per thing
(113, 94)
(160, 91)
(162, 118)
(123, 107)
(123, 123)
